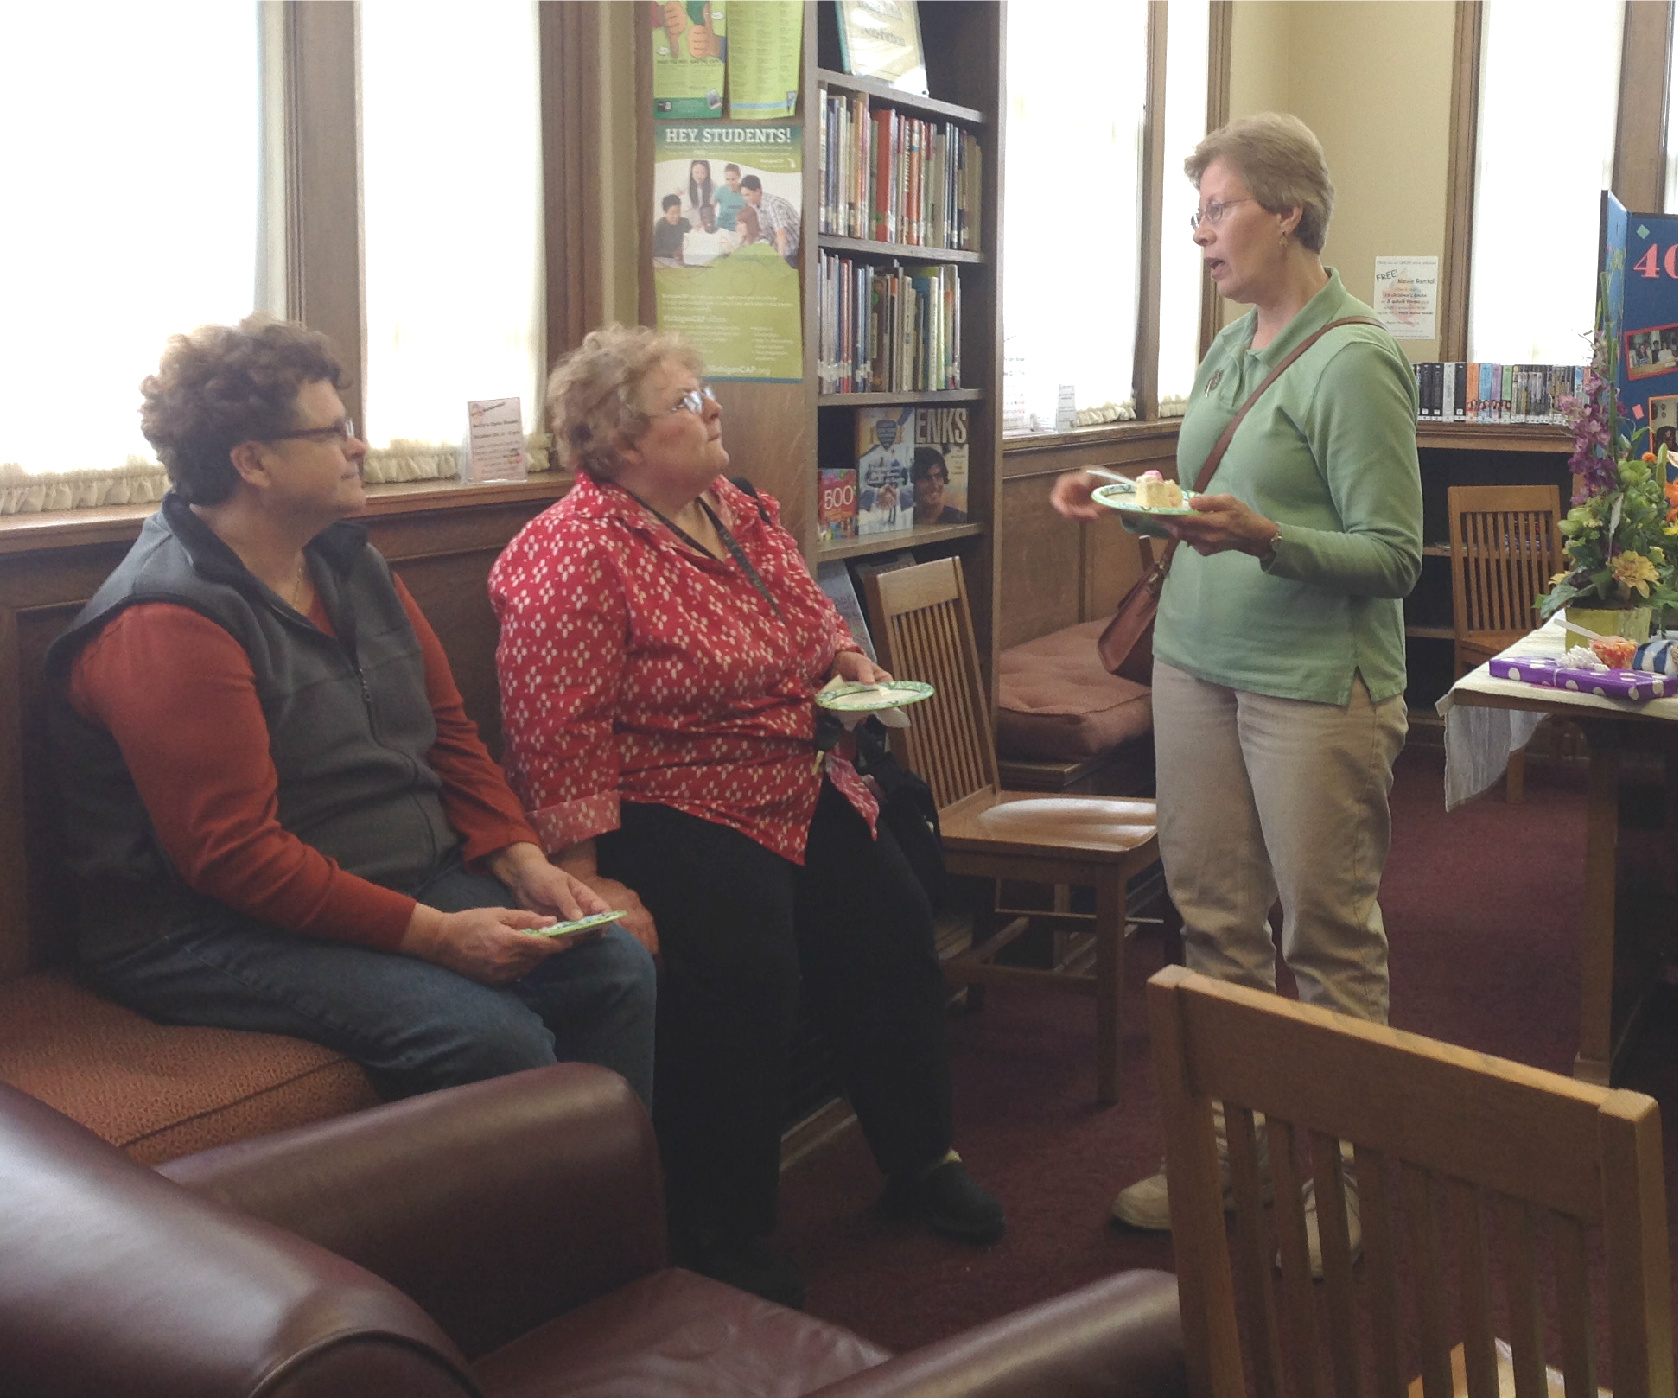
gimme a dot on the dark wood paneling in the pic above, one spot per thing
(569, 48)
(1640, 133)
(1220, 28)
(1041, 555)
(1459, 209)
(328, 190)
(1145, 372)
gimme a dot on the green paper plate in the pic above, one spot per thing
(582, 924)
(859, 698)
(1118, 497)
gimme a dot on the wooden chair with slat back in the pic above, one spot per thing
(924, 631)
(1462, 1161)
(1505, 547)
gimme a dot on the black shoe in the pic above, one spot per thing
(748, 1264)
(951, 1202)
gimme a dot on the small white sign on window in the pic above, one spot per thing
(1407, 296)
(494, 445)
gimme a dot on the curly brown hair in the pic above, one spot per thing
(226, 384)
(593, 393)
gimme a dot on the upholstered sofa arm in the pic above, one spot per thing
(1116, 1338)
(467, 1200)
(113, 1280)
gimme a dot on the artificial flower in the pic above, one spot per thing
(1634, 572)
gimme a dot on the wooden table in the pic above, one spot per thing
(1612, 728)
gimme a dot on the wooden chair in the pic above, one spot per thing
(924, 631)
(1505, 547)
(1460, 1159)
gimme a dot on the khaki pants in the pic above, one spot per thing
(1261, 798)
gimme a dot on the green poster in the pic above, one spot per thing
(727, 222)
(765, 43)
(690, 53)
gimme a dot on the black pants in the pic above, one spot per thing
(738, 928)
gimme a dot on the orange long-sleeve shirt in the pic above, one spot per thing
(178, 694)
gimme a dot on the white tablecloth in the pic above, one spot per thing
(1478, 741)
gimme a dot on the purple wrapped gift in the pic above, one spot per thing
(1638, 686)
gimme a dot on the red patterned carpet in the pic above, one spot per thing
(1481, 907)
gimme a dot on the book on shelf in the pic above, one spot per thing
(891, 177)
(836, 505)
(887, 329)
(912, 469)
(1532, 394)
(882, 39)
(938, 466)
(884, 447)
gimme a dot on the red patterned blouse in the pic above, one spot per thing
(634, 669)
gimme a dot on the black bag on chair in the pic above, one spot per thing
(907, 809)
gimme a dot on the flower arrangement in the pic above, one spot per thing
(1618, 535)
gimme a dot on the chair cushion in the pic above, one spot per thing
(674, 1332)
(1055, 702)
(159, 1091)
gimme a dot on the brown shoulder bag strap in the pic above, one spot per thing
(1157, 579)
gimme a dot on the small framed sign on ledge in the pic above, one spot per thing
(882, 39)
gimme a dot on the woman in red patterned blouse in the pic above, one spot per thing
(661, 644)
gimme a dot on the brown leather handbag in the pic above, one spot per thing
(1127, 645)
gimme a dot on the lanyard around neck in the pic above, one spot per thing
(730, 543)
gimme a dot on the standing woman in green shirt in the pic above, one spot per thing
(1279, 645)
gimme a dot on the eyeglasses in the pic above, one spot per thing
(694, 400)
(1214, 212)
(338, 432)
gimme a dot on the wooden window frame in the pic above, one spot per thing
(1639, 142)
(323, 208)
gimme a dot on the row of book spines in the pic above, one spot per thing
(887, 330)
(1458, 391)
(894, 178)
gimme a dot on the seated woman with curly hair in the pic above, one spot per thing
(661, 645)
(281, 817)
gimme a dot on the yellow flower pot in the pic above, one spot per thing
(1631, 622)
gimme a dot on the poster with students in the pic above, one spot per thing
(726, 224)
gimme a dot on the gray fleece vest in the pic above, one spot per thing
(348, 723)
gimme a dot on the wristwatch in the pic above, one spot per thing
(1269, 553)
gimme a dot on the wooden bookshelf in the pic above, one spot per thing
(917, 252)
(782, 435)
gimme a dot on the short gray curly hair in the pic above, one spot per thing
(593, 393)
(1282, 163)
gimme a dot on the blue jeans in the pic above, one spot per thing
(413, 1026)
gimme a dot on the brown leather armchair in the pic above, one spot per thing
(504, 1239)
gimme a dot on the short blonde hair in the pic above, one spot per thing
(593, 393)
(1282, 163)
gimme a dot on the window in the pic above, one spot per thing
(118, 233)
(1075, 225)
(451, 170)
(1070, 218)
(1546, 150)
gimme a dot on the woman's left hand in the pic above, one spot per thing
(853, 665)
(1221, 523)
(543, 887)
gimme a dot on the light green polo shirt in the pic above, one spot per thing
(1329, 453)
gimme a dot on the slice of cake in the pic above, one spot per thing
(1154, 492)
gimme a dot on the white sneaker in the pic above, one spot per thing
(1313, 1237)
(1147, 1203)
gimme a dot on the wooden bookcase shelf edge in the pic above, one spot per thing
(896, 97)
